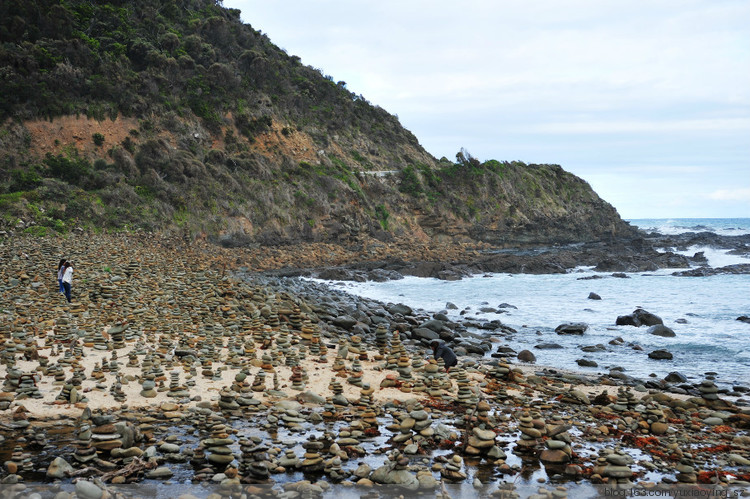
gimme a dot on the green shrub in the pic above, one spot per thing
(73, 169)
(24, 180)
(410, 183)
(128, 145)
(98, 139)
(382, 213)
(36, 230)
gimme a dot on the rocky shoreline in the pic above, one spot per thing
(179, 363)
(375, 261)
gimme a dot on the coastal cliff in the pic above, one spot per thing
(177, 117)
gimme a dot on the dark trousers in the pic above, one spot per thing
(62, 289)
(66, 286)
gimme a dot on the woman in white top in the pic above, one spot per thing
(67, 279)
(60, 270)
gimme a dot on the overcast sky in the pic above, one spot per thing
(647, 100)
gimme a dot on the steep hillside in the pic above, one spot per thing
(174, 115)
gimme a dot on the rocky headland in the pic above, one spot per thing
(181, 363)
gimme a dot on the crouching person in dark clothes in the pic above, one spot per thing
(440, 349)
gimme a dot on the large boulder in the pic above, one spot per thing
(660, 355)
(434, 324)
(661, 330)
(638, 318)
(647, 318)
(526, 356)
(423, 333)
(572, 328)
(549, 346)
(400, 308)
(59, 468)
(345, 321)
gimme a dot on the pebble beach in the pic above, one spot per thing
(182, 365)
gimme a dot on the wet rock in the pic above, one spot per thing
(345, 321)
(87, 490)
(661, 330)
(160, 473)
(423, 333)
(675, 377)
(572, 328)
(660, 355)
(58, 468)
(310, 398)
(638, 318)
(526, 356)
(548, 346)
(400, 308)
(594, 296)
(586, 363)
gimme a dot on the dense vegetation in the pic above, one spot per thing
(146, 57)
(227, 135)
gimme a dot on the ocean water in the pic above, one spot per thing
(672, 226)
(702, 311)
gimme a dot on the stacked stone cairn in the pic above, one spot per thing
(655, 419)
(289, 461)
(116, 390)
(244, 392)
(465, 395)
(27, 387)
(117, 335)
(558, 450)
(395, 471)
(338, 393)
(228, 399)
(12, 379)
(414, 429)
(313, 461)
(367, 412)
(530, 436)
(381, 341)
(709, 392)
(104, 436)
(219, 455)
(395, 352)
(686, 470)
(6, 398)
(298, 383)
(259, 382)
(355, 372)
(176, 390)
(282, 341)
(19, 461)
(614, 466)
(254, 462)
(84, 452)
(404, 372)
(626, 401)
(148, 385)
(453, 469)
(339, 365)
(71, 392)
(480, 441)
